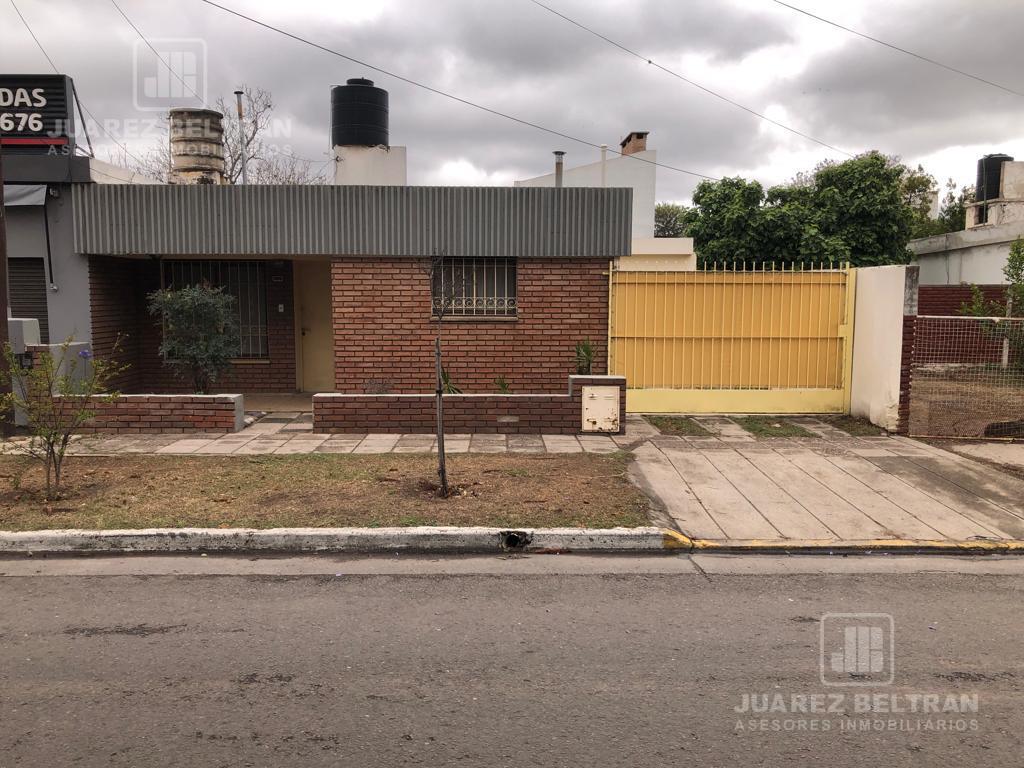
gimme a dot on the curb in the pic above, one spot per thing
(355, 540)
(452, 540)
(865, 547)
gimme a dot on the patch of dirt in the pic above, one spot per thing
(138, 630)
(324, 490)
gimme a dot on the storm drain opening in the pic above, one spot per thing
(513, 541)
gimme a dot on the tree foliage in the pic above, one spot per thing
(200, 332)
(670, 220)
(57, 395)
(863, 210)
(1012, 332)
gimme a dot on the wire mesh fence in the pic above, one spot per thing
(967, 377)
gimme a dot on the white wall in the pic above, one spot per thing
(385, 166)
(975, 255)
(626, 171)
(883, 295)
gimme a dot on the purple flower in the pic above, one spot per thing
(85, 354)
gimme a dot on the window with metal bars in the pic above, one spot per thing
(471, 287)
(245, 280)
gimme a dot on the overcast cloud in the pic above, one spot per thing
(520, 59)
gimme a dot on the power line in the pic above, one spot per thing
(687, 80)
(897, 48)
(447, 95)
(157, 54)
(80, 103)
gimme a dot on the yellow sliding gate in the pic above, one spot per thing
(726, 341)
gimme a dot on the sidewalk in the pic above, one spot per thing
(830, 490)
(292, 433)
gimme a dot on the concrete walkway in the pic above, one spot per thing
(292, 433)
(835, 488)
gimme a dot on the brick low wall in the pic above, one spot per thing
(168, 414)
(556, 414)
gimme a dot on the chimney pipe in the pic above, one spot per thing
(559, 154)
(241, 138)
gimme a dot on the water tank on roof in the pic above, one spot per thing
(990, 172)
(359, 114)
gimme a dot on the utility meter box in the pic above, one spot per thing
(601, 409)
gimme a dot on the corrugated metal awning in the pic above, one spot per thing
(352, 220)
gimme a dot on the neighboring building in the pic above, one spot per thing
(635, 168)
(978, 253)
(42, 175)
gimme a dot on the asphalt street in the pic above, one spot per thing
(536, 661)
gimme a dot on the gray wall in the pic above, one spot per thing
(68, 306)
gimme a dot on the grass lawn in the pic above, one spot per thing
(771, 426)
(852, 425)
(323, 490)
(677, 425)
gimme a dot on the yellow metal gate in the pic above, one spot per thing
(725, 341)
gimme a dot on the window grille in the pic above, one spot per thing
(470, 287)
(245, 280)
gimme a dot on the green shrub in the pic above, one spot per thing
(200, 332)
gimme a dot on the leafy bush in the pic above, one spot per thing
(200, 332)
(978, 306)
(57, 395)
(585, 357)
(503, 386)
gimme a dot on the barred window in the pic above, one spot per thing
(469, 287)
(245, 280)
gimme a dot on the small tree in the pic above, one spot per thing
(442, 297)
(57, 395)
(1011, 332)
(200, 332)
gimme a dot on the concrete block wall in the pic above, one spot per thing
(540, 413)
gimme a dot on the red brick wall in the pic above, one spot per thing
(118, 291)
(384, 339)
(947, 299)
(165, 414)
(495, 413)
(906, 367)
(114, 302)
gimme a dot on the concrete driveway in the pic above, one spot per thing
(836, 488)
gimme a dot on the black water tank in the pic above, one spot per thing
(359, 114)
(990, 171)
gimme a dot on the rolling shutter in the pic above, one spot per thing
(27, 278)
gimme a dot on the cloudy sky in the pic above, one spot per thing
(516, 57)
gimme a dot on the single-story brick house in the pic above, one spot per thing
(333, 285)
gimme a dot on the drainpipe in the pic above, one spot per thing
(241, 137)
(559, 154)
(604, 165)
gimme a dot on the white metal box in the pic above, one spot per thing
(601, 409)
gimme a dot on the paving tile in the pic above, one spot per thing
(525, 444)
(562, 444)
(340, 444)
(377, 443)
(488, 443)
(415, 444)
(224, 446)
(263, 428)
(259, 447)
(723, 427)
(187, 445)
(597, 444)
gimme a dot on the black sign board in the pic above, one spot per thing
(36, 114)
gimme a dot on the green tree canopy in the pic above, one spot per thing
(863, 210)
(670, 220)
